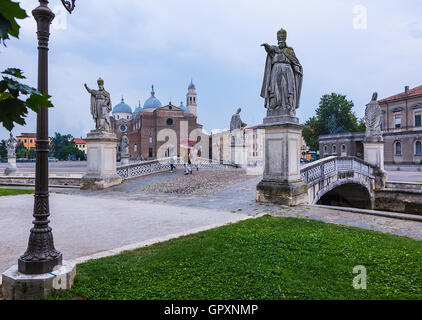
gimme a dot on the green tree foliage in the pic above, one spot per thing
(63, 146)
(21, 151)
(334, 114)
(13, 110)
(3, 149)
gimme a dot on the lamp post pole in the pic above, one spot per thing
(41, 256)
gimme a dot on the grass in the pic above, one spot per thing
(14, 192)
(264, 258)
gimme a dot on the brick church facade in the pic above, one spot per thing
(146, 126)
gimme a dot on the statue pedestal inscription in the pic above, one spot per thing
(281, 89)
(281, 182)
(101, 157)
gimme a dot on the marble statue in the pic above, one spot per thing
(283, 77)
(236, 122)
(124, 145)
(100, 106)
(373, 119)
(11, 146)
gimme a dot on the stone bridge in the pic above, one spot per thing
(343, 181)
(142, 168)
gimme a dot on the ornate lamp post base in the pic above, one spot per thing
(19, 286)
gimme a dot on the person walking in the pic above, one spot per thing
(172, 166)
(186, 160)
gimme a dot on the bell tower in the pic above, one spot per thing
(192, 99)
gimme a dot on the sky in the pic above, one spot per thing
(348, 47)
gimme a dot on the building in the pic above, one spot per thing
(80, 144)
(401, 125)
(146, 125)
(28, 140)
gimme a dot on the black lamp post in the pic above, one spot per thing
(41, 256)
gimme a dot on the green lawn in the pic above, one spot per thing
(14, 192)
(264, 258)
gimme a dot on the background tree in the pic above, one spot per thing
(63, 146)
(13, 109)
(333, 115)
(21, 151)
(3, 149)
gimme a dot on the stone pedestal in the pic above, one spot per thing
(124, 159)
(281, 182)
(374, 154)
(19, 286)
(238, 154)
(101, 158)
(11, 166)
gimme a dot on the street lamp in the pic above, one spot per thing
(41, 256)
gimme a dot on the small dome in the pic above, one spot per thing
(185, 110)
(122, 107)
(138, 109)
(191, 85)
(152, 102)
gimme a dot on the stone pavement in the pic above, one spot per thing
(88, 222)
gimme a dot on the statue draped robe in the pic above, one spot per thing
(100, 108)
(283, 78)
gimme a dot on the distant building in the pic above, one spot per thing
(80, 144)
(28, 140)
(144, 123)
(401, 125)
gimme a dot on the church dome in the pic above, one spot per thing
(191, 85)
(122, 107)
(152, 102)
(185, 110)
(138, 109)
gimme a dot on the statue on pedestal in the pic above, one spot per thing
(100, 107)
(373, 120)
(11, 146)
(236, 122)
(124, 145)
(283, 77)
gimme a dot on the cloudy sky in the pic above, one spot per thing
(132, 44)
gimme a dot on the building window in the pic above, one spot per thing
(343, 148)
(398, 149)
(117, 117)
(325, 149)
(150, 152)
(169, 122)
(397, 122)
(150, 139)
(135, 147)
(418, 119)
(123, 128)
(334, 149)
(418, 148)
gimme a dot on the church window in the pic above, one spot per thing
(334, 149)
(343, 148)
(150, 139)
(135, 148)
(150, 152)
(418, 148)
(169, 122)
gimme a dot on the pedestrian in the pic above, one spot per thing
(172, 166)
(186, 161)
(189, 165)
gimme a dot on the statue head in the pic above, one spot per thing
(238, 110)
(100, 83)
(281, 37)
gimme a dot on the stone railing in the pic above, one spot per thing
(143, 168)
(322, 169)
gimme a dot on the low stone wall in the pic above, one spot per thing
(400, 197)
(56, 180)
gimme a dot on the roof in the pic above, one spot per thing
(191, 85)
(79, 141)
(412, 92)
(152, 102)
(28, 135)
(122, 107)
